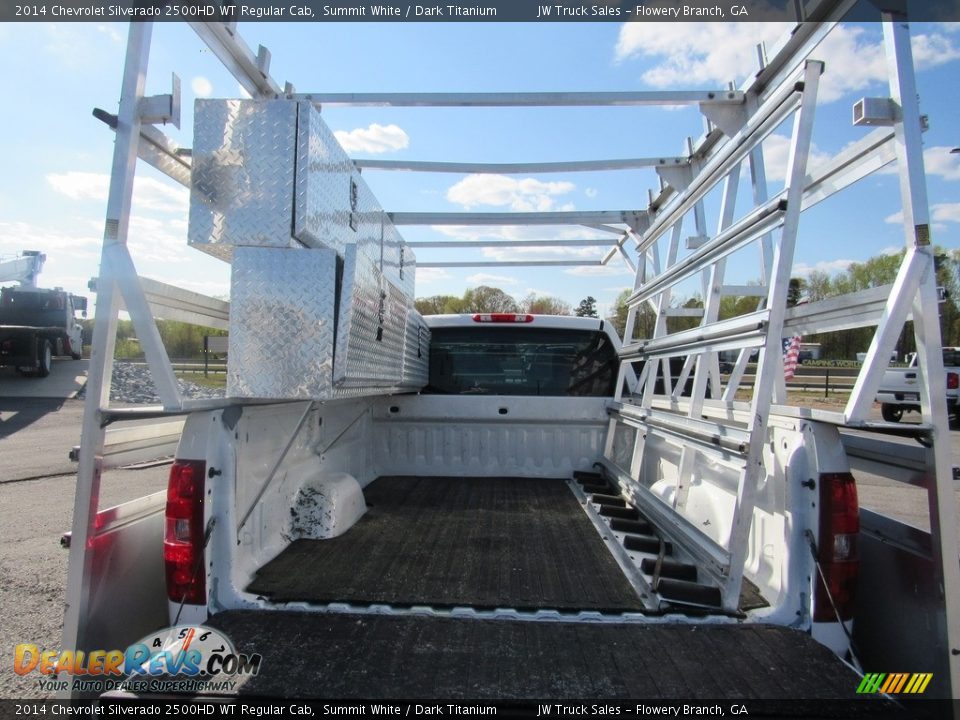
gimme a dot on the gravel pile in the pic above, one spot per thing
(133, 384)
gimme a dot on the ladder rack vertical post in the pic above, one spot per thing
(926, 326)
(770, 362)
(87, 495)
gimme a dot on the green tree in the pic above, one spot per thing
(794, 291)
(685, 322)
(587, 307)
(486, 299)
(948, 276)
(819, 286)
(644, 323)
(736, 305)
(544, 305)
(438, 304)
(876, 272)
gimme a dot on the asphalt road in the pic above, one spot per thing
(65, 380)
(37, 486)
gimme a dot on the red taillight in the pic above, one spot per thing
(502, 318)
(183, 538)
(953, 381)
(839, 556)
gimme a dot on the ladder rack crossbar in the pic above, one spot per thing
(652, 98)
(740, 327)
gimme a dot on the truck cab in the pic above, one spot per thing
(37, 325)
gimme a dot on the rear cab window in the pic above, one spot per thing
(521, 360)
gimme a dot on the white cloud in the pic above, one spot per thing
(373, 139)
(211, 288)
(201, 86)
(689, 54)
(600, 270)
(428, 275)
(521, 232)
(941, 162)
(824, 266)
(930, 50)
(154, 241)
(81, 185)
(945, 212)
(542, 253)
(524, 195)
(535, 291)
(939, 213)
(488, 279)
(696, 53)
(111, 32)
(776, 153)
(151, 194)
(148, 193)
(69, 45)
(17, 236)
(530, 232)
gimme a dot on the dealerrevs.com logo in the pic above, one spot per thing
(186, 658)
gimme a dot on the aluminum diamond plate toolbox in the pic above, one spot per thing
(371, 331)
(270, 173)
(399, 262)
(328, 186)
(282, 323)
(243, 175)
(416, 352)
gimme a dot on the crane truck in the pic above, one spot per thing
(36, 324)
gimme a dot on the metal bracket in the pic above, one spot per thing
(874, 111)
(729, 119)
(162, 108)
(677, 177)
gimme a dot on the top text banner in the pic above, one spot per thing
(470, 11)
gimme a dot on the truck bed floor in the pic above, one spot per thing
(480, 542)
(376, 656)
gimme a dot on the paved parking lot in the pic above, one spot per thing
(37, 485)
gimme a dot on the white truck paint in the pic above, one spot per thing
(900, 389)
(350, 443)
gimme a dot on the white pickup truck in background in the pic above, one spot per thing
(900, 390)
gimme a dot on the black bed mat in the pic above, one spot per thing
(480, 542)
(329, 655)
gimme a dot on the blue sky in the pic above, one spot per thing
(57, 156)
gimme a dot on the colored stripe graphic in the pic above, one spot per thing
(894, 683)
(924, 680)
(871, 682)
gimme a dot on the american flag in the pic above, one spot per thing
(791, 352)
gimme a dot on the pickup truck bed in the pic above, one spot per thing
(377, 656)
(482, 542)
